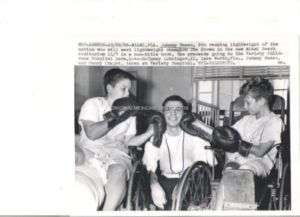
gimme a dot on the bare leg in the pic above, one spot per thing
(115, 187)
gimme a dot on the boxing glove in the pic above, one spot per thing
(122, 109)
(228, 139)
(159, 127)
(187, 126)
(225, 138)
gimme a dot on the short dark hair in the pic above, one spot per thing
(258, 88)
(176, 98)
(113, 76)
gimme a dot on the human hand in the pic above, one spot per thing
(158, 195)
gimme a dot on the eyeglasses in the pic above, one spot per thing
(173, 109)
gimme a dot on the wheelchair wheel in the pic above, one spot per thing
(193, 192)
(138, 194)
(285, 190)
(279, 195)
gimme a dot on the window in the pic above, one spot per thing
(281, 88)
(205, 91)
(217, 92)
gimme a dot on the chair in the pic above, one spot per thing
(277, 194)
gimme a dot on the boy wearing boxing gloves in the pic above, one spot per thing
(108, 127)
(250, 144)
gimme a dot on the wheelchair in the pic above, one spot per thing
(138, 191)
(275, 192)
(269, 193)
(193, 191)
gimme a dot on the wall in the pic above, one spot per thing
(88, 83)
(166, 81)
(228, 91)
(153, 86)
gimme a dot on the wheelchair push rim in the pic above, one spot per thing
(138, 189)
(285, 191)
(193, 192)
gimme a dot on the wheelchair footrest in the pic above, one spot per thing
(239, 206)
(214, 189)
(239, 189)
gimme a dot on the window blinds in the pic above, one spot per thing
(239, 72)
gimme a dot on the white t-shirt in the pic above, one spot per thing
(257, 131)
(93, 110)
(176, 154)
(107, 150)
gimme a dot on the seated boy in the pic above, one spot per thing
(254, 137)
(105, 137)
(178, 151)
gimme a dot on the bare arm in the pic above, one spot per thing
(95, 130)
(141, 139)
(263, 148)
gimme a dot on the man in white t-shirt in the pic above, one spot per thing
(177, 152)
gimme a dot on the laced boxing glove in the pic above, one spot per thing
(187, 126)
(225, 138)
(122, 109)
(244, 148)
(159, 126)
(228, 139)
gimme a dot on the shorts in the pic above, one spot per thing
(101, 161)
(256, 166)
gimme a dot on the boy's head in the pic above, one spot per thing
(258, 93)
(173, 108)
(117, 83)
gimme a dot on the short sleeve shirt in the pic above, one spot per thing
(93, 110)
(258, 131)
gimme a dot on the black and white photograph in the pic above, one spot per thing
(150, 108)
(182, 138)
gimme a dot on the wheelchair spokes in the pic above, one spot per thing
(195, 193)
(138, 189)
